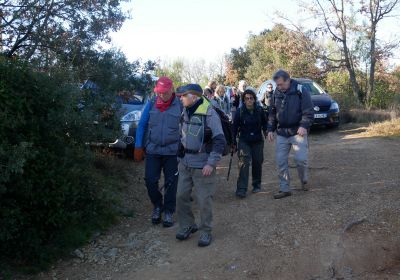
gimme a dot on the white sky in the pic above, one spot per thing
(202, 29)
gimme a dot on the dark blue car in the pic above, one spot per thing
(326, 109)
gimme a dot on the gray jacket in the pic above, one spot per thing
(291, 110)
(163, 130)
(199, 150)
(223, 104)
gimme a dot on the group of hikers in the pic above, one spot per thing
(183, 136)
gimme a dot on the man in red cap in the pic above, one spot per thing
(158, 135)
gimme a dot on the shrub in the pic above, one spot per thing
(51, 194)
(339, 87)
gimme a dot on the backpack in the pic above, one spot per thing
(226, 128)
(226, 125)
(299, 93)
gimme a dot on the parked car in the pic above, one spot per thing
(131, 112)
(130, 107)
(326, 109)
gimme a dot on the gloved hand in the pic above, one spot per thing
(233, 148)
(138, 154)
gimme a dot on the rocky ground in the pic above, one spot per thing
(346, 227)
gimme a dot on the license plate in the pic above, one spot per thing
(320, 116)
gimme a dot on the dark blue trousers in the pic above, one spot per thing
(164, 197)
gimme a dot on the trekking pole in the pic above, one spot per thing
(230, 165)
(168, 182)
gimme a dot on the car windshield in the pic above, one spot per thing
(135, 100)
(314, 88)
(128, 98)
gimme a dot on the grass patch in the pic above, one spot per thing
(384, 129)
(367, 116)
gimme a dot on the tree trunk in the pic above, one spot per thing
(352, 74)
(372, 53)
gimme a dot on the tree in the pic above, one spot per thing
(270, 50)
(43, 31)
(237, 63)
(336, 22)
(376, 10)
(173, 70)
(217, 70)
(343, 21)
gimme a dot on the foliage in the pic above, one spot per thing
(51, 193)
(183, 71)
(45, 32)
(237, 63)
(174, 71)
(268, 51)
(337, 83)
(386, 94)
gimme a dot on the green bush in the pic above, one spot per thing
(383, 97)
(51, 194)
(339, 87)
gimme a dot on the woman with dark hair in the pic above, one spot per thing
(249, 125)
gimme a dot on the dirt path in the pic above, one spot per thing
(346, 227)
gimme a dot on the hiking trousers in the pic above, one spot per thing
(165, 198)
(249, 153)
(192, 179)
(300, 148)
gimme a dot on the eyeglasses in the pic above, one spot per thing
(249, 98)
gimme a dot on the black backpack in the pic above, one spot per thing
(226, 128)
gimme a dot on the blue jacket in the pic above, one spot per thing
(290, 110)
(158, 132)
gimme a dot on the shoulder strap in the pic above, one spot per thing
(240, 114)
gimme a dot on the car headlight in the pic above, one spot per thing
(334, 106)
(133, 116)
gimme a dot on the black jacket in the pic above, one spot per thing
(291, 110)
(248, 125)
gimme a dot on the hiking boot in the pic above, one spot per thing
(280, 195)
(304, 186)
(205, 239)
(256, 190)
(240, 194)
(156, 216)
(168, 219)
(185, 233)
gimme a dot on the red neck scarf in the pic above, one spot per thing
(164, 105)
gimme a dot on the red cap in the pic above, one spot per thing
(163, 85)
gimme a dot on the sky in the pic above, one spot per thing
(201, 29)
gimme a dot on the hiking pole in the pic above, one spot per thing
(230, 165)
(168, 182)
